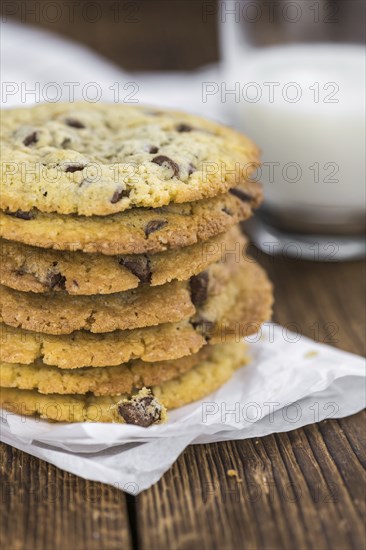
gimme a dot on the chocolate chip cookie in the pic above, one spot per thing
(200, 298)
(63, 314)
(122, 379)
(138, 231)
(232, 310)
(84, 349)
(30, 269)
(186, 388)
(99, 159)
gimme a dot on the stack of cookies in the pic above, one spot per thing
(125, 288)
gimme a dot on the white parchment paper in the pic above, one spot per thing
(291, 381)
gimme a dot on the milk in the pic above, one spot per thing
(304, 105)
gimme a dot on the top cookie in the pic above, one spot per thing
(99, 159)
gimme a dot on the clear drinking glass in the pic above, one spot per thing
(294, 81)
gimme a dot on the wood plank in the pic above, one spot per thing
(43, 507)
(288, 495)
(356, 435)
(330, 500)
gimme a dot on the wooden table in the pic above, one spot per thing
(302, 489)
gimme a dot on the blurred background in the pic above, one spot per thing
(290, 74)
(142, 35)
(171, 35)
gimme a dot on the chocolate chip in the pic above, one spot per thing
(204, 327)
(162, 159)
(30, 139)
(154, 225)
(74, 123)
(74, 168)
(66, 142)
(139, 266)
(198, 285)
(22, 215)
(143, 411)
(118, 195)
(191, 168)
(244, 197)
(56, 281)
(184, 127)
(153, 150)
(154, 113)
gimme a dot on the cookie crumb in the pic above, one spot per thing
(234, 473)
(311, 353)
(142, 409)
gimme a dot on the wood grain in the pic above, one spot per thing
(287, 495)
(45, 508)
(302, 489)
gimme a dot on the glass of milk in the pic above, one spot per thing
(303, 103)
